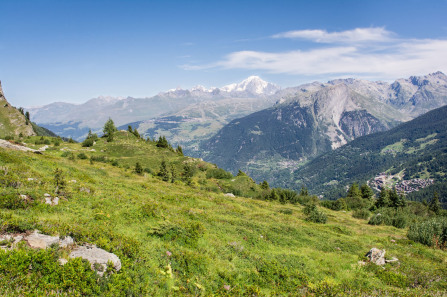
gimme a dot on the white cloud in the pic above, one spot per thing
(395, 58)
(349, 36)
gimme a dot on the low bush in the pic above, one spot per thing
(82, 156)
(432, 232)
(88, 142)
(218, 173)
(361, 214)
(314, 215)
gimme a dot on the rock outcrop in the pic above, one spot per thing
(376, 256)
(96, 256)
(41, 241)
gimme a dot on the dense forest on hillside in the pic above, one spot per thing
(417, 148)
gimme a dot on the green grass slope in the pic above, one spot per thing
(186, 238)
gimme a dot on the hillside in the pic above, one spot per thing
(415, 149)
(186, 237)
(12, 121)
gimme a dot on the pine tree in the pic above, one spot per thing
(164, 173)
(241, 173)
(59, 181)
(367, 192)
(188, 173)
(396, 200)
(109, 129)
(435, 205)
(173, 173)
(135, 132)
(162, 142)
(138, 168)
(304, 191)
(354, 191)
(383, 200)
(265, 185)
(179, 150)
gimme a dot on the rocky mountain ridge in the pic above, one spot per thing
(318, 117)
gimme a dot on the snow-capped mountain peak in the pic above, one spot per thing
(251, 86)
(254, 85)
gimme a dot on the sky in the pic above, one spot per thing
(72, 51)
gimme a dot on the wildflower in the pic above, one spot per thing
(168, 253)
(227, 287)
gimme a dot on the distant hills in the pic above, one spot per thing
(198, 106)
(315, 118)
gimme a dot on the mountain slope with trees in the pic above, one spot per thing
(415, 149)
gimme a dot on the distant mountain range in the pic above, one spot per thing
(315, 118)
(74, 120)
(254, 125)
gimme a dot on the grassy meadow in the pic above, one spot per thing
(186, 237)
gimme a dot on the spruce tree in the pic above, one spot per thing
(265, 185)
(173, 173)
(367, 192)
(304, 191)
(354, 191)
(179, 150)
(164, 173)
(109, 129)
(138, 168)
(383, 200)
(435, 205)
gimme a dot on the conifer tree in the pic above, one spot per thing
(179, 150)
(138, 168)
(164, 173)
(265, 185)
(383, 200)
(354, 191)
(435, 205)
(304, 191)
(109, 129)
(173, 173)
(367, 192)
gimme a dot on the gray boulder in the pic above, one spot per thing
(42, 241)
(376, 256)
(97, 257)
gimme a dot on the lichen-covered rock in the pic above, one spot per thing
(376, 256)
(42, 241)
(97, 257)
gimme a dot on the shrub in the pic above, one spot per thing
(138, 168)
(218, 173)
(11, 201)
(88, 142)
(361, 214)
(82, 156)
(102, 159)
(314, 215)
(431, 232)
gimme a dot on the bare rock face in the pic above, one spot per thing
(42, 241)
(376, 256)
(97, 257)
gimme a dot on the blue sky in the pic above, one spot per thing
(62, 50)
